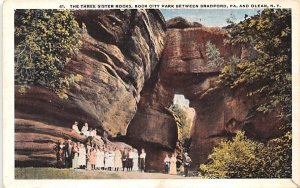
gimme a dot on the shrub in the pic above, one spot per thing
(244, 158)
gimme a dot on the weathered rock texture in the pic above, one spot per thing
(128, 82)
(35, 142)
(219, 112)
(119, 52)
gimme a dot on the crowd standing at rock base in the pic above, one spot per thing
(96, 154)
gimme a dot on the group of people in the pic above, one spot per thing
(94, 156)
(79, 156)
(171, 164)
(85, 130)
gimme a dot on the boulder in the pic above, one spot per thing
(181, 23)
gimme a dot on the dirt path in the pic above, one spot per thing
(54, 173)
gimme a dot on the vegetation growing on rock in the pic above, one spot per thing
(183, 126)
(44, 42)
(267, 77)
(269, 73)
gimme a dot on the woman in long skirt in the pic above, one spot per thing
(82, 156)
(173, 165)
(75, 155)
(118, 159)
(107, 162)
(112, 159)
(92, 158)
(99, 158)
(88, 162)
(135, 166)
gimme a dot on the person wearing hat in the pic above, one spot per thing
(186, 163)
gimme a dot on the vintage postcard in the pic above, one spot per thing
(151, 94)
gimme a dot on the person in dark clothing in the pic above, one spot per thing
(130, 160)
(143, 160)
(167, 164)
(186, 164)
(68, 153)
(60, 156)
(179, 161)
(125, 159)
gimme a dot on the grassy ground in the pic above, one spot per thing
(55, 173)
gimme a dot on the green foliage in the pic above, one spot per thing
(243, 158)
(268, 74)
(45, 39)
(183, 125)
(213, 55)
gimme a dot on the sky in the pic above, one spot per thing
(209, 17)
(181, 100)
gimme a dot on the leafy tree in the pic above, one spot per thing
(243, 158)
(268, 74)
(45, 39)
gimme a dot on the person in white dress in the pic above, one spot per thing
(173, 161)
(75, 155)
(99, 158)
(75, 127)
(118, 159)
(106, 159)
(82, 156)
(112, 159)
(109, 159)
(135, 166)
(85, 130)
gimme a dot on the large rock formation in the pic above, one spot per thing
(219, 111)
(119, 52)
(127, 85)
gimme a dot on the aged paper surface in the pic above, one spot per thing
(9, 93)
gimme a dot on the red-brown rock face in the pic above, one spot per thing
(184, 70)
(130, 75)
(119, 52)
